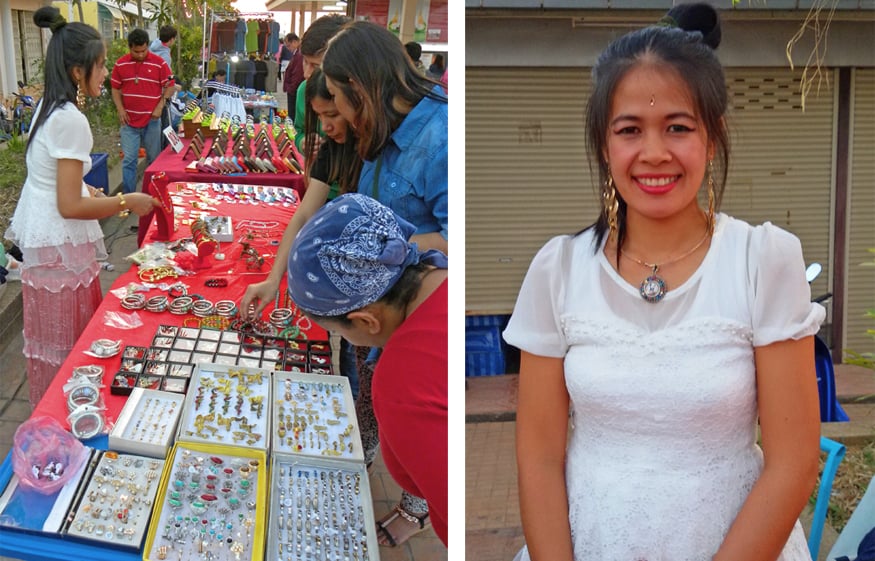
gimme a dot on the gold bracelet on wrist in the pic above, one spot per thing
(122, 203)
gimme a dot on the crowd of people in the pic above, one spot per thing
(374, 137)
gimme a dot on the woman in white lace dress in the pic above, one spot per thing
(668, 332)
(55, 222)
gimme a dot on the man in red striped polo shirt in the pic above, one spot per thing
(141, 83)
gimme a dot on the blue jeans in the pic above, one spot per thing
(132, 137)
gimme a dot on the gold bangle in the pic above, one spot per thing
(121, 198)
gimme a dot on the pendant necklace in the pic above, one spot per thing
(653, 288)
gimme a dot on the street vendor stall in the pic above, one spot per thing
(205, 433)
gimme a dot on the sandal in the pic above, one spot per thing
(410, 524)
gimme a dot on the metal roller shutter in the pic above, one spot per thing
(526, 172)
(861, 228)
(781, 164)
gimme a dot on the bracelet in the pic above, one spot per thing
(82, 394)
(216, 283)
(92, 373)
(121, 198)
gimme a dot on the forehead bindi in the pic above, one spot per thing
(648, 91)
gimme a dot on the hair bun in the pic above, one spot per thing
(49, 16)
(699, 17)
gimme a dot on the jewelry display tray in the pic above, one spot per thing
(314, 466)
(83, 516)
(323, 419)
(31, 512)
(167, 363)
(124, 434)
(150, 551)
(211, 415)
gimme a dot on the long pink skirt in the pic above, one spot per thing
(53, 322)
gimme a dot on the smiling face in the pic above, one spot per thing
(656, 145)
(98, 75)
(334, 125)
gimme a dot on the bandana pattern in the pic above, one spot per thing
(349, 255)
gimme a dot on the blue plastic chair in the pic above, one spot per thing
(835, 452)
(830, 410)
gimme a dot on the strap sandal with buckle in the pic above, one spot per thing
(405, 526)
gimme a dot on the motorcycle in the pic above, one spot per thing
(830, 409)
(22, 112)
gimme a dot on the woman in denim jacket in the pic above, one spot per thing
(400, 120)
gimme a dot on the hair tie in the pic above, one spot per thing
(57, 23)
(667, 21)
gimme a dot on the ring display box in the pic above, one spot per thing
(227, 405)
(116, 504)
(211, 505)
(29, 511)
(147, 423)
(320, 510)
(314, 415)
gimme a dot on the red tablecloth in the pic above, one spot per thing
(232, 268)
(174, 166)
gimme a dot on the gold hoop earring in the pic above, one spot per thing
(80, 96)
(611, 206)
(711, 196)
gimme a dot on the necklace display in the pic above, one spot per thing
(653, 288)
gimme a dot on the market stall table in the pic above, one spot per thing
(177, 169)
(261, 235)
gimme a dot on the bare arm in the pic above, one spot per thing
(790, 425)
(541, 435)
(117, 100)
(71, 203)
(431, 240)
(261, 293)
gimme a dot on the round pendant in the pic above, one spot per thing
(652, 289)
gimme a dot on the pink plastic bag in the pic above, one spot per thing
(45, 456)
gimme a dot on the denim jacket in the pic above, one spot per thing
(413, 168)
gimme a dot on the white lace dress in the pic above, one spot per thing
(663, 451)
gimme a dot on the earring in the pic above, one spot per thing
(80, 96)
(611, 206)
(711, 196)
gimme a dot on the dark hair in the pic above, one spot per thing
(684, 41)
(220, 72)
(399, 296)
(414, 50)
(138, 37)
(291, 37)
(345, 163)
(320, 31)
(166, 33)
(388, 76)
(72, 45)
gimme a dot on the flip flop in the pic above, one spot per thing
(411, 521)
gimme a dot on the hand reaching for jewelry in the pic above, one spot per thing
(140, 203)
(256, 298)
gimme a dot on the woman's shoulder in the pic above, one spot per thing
(758, 236)
(560, 249)
(68, 113)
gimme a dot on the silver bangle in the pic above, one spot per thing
(87, 423)
(105, 347)
(91, 373)
(83, 394)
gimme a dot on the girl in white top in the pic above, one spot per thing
(55, 223)
(668, 332)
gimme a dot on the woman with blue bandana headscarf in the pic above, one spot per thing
(353, 271)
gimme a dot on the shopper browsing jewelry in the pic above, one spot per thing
(55, 221)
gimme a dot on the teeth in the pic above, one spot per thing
(656, 182)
